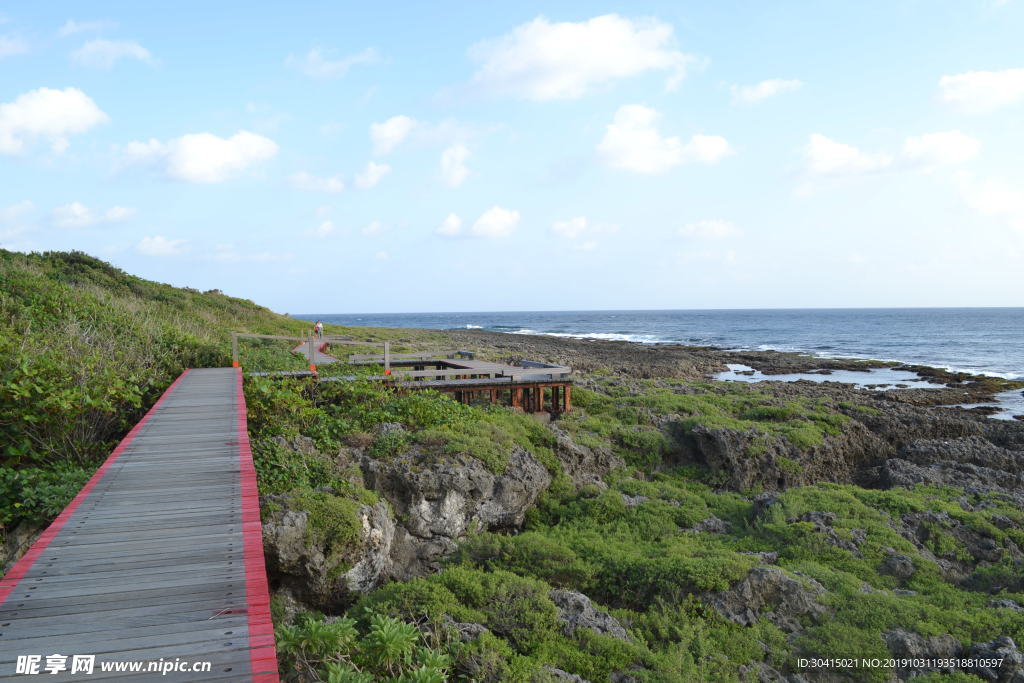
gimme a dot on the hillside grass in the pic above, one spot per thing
(85, 350)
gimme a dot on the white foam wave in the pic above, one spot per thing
(606, 336)
(984, 373)
(474, 327)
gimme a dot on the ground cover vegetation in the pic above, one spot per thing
(657, 543)
(635, 544)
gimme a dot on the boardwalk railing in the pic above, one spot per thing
(313, 343)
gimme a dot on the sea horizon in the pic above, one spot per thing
(978, 340)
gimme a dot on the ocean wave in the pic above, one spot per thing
(474, 327)
(606, 336)
(816, 351)
(983, 373)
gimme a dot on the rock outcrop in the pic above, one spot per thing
(750, 458)
(577, 611)
(583, 465)
(429, 504)
(301, 566)
(772, 593)
(437, 503)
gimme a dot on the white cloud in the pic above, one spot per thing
(78, 215)
(706, 149)
(939, 149)
(373, 228)
(570, 228)
(229, 253)
(10, 46)
(540, 60)
(828, 157)
(995, 197)
(382, 256)
(71, 27)
(318, 65)
(710, 229)
(496, 222)
(749, 94)
(202, 157)
(371, 175)
(451, 226)
(585, 246)
(325, 229)
(308, 181)
(160, 246)
(388, 135)
(632, 142)
(981, 91)
(103, 54)
(46, 114)
(453, 165)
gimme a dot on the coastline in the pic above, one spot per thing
(705, 362)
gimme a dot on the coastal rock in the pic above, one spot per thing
(1001, 649)
(464, 631)
(584, 465)
(752, 459)
(771, 593)
(438, 503)
(577, 611)
(561, 675)
(16, 543)
(897, 565)
(908, 645)
(300, 565)
(713, 525)
(763, 673)
(633, 501)
(964, 548)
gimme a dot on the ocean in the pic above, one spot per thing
(986, 341)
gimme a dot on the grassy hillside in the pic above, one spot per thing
(85, 349)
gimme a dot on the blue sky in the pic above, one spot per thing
(341, 157)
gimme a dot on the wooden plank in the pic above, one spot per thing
(152, 560)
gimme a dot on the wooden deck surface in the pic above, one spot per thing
(160, 556)
(319, 357)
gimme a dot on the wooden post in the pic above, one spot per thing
(494, 395)
(517, 397)
(568, 398)
(234, 349)
(540, 399)
(387, 358)
(554, 399)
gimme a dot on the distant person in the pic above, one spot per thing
(319, 328)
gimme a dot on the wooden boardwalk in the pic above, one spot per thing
(159, 557)
(319, 357)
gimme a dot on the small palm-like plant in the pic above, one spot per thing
(390, 644)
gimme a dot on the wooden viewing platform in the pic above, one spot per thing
(159, 557)
(530, 386)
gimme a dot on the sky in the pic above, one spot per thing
(336, 157)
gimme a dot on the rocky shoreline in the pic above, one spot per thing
(645, 361)
(898, 442)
